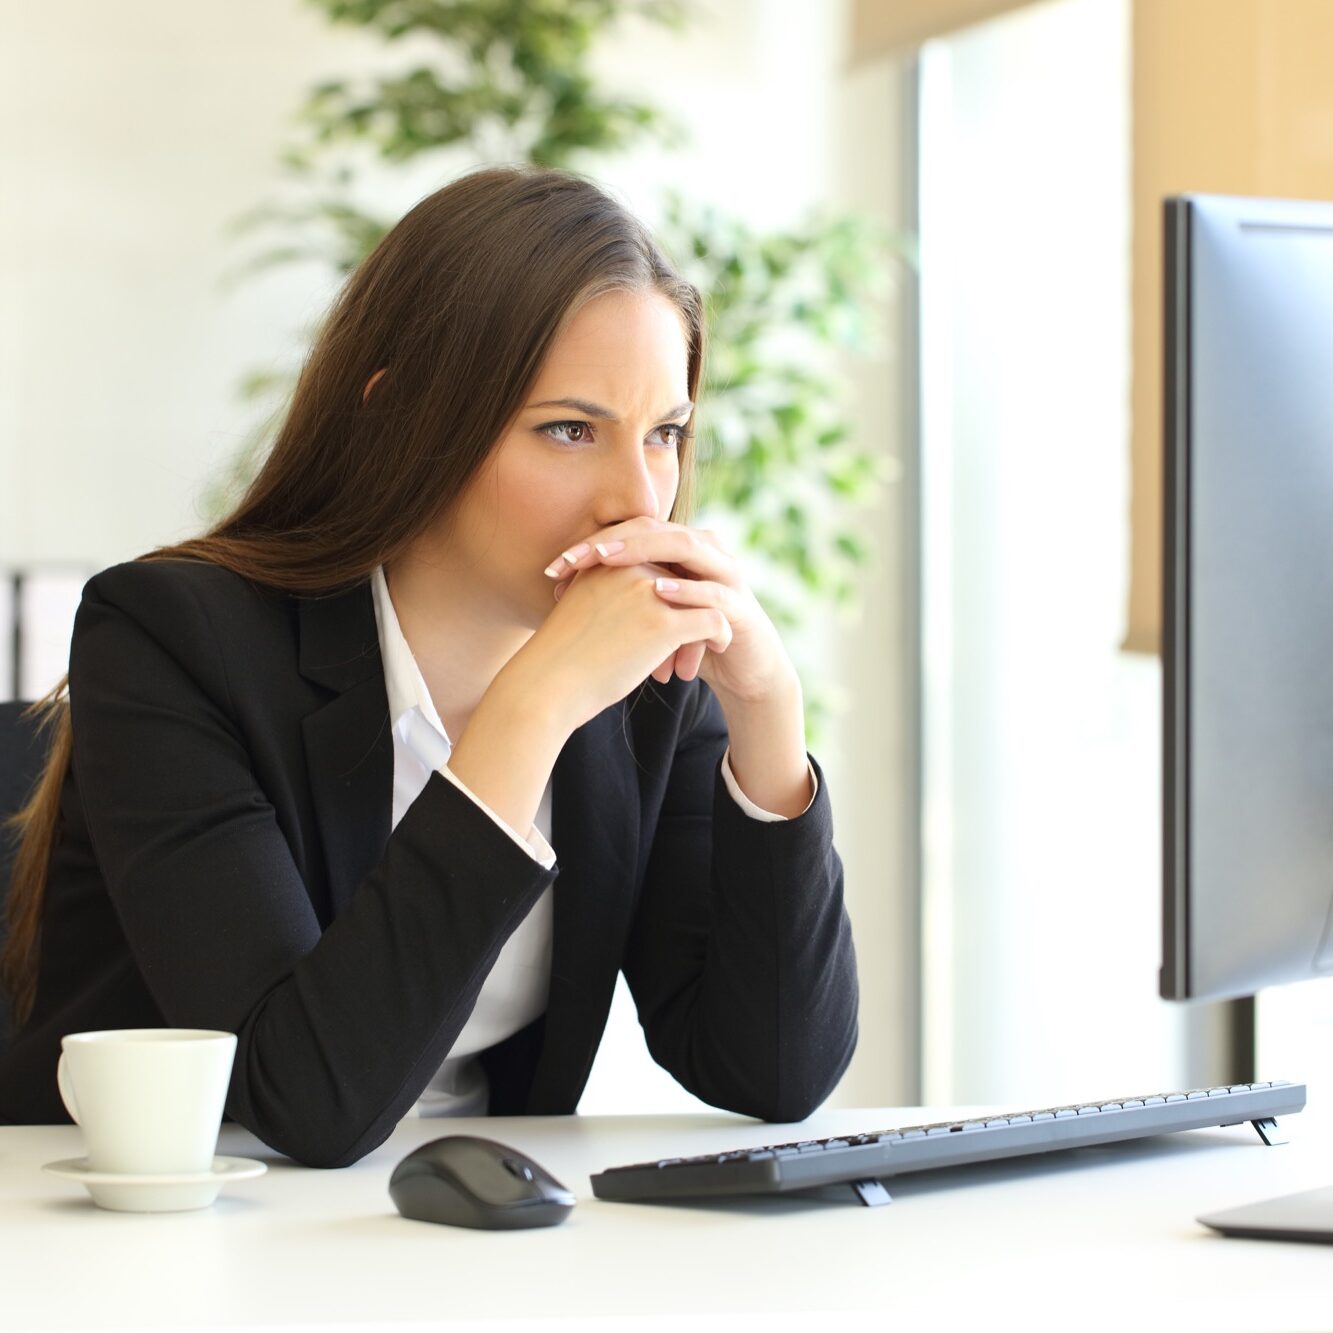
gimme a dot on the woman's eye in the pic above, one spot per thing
(675, 435)
(578, 431)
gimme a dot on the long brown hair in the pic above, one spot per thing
(460, 301)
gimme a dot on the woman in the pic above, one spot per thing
(373, 775)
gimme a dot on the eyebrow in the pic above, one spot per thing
(605, 413)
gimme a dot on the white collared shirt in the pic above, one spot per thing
(515, 991)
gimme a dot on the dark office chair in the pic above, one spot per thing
(22, 752)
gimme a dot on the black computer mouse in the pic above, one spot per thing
(464, 1181)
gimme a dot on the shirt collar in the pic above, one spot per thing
(403, 682)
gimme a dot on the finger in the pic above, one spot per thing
(662, 672)
(560, 571)
(570, 576)
(701, 592)
(564, 563)
(707, 597)
(688, 660)
(706, 625)
(696, 552)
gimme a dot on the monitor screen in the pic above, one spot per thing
(1248, 595)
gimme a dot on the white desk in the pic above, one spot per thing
(1097, 1238)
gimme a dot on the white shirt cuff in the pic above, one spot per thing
(746, 804)
(534, 844)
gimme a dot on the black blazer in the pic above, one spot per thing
(225, 861)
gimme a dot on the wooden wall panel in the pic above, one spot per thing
(881, 27)
(1229, 97)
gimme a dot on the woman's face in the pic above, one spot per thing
(595, 443)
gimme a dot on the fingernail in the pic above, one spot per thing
(609, 548)
(560, 590)
(553, 571)
(576, 553)
(667, 585)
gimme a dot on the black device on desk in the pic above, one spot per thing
(1247, 644)
(864, 1161)
(460, 1180)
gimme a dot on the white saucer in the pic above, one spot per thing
(156, 1194)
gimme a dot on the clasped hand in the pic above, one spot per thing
(743, 659)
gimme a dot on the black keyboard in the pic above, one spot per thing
(863, 1160)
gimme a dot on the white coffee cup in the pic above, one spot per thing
(149, 1100)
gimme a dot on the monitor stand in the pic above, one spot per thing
(1307, 1216)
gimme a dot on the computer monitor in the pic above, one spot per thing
(1247, 645)
(1248, 596)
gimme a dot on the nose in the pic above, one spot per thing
(630, 488)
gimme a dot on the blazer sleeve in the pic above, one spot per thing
(740, 957)
(337, 1032)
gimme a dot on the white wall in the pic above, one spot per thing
(135, 131)
(872, 746)
(1043, 740)
(1294, 1037)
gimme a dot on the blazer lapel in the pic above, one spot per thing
(348, 743)
(595, 834)
(594, 827)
